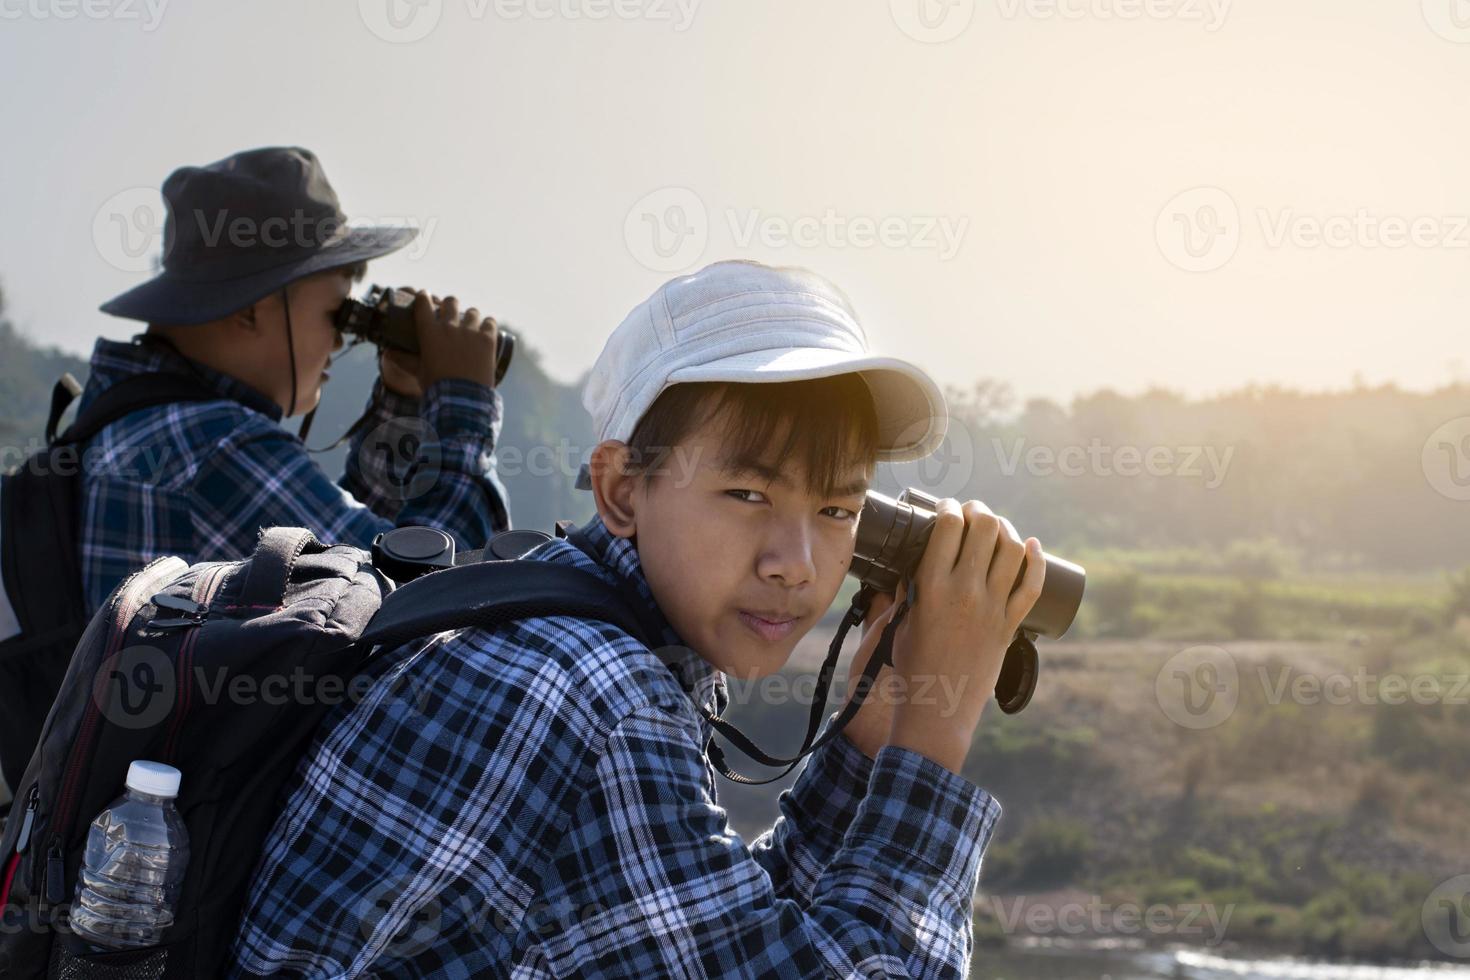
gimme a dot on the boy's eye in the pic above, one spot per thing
(737, 494)
(843, 513)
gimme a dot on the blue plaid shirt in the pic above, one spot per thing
(534, 800)
(199, 479)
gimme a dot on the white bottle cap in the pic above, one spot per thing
(154, 778)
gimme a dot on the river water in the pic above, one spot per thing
(1052, 963)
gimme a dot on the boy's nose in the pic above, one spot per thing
(786, 555)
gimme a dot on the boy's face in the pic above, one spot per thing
(742, 564)
(313, 336)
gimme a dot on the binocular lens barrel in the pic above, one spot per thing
(385, 318)
(891, 538)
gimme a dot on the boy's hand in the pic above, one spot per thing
(954, 639)
(400, 373)
(450, 346)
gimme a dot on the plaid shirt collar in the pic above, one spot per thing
(703, 683)
(113, 360)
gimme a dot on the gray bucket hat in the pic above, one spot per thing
(242, 228)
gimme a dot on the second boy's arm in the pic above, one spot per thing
(407, 445)
(434, 416)
(264, 477)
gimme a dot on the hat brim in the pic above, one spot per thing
(169, 299)
(909, 405)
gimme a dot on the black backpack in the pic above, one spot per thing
(159, 674)
(40, 573)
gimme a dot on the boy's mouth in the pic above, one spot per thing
(770, 630)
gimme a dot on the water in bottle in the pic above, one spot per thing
(137, 850)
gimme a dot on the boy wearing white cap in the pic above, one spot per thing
(538, 797)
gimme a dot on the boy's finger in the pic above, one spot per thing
(982, 531)
(449, 310)
(1029, 589)
(1009, 550)
(944, 543)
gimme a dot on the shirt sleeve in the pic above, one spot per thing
(661, 885)
(815, 813)
(407, 448)
(267, 479)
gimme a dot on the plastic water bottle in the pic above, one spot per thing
(137, 850)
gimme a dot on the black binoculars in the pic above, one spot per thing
(385, 317)
(891, 538)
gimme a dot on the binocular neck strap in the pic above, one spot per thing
(368, 414)
(306, 426)
(882, 655)
(290, 350)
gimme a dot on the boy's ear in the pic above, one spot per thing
(613, 485)
(247, 320)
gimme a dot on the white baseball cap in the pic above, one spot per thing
(746, 322)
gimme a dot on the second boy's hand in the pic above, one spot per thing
(451, 345)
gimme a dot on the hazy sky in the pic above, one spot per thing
(1064, 194)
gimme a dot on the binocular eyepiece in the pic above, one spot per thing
(385, 317)
(891, 538)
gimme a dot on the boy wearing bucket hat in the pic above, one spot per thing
(258, 255)
(537, 799)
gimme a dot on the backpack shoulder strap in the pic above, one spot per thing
(124, 397)
(490, 593)
(276, 551)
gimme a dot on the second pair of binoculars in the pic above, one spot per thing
(891, 537)
(384, 316)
